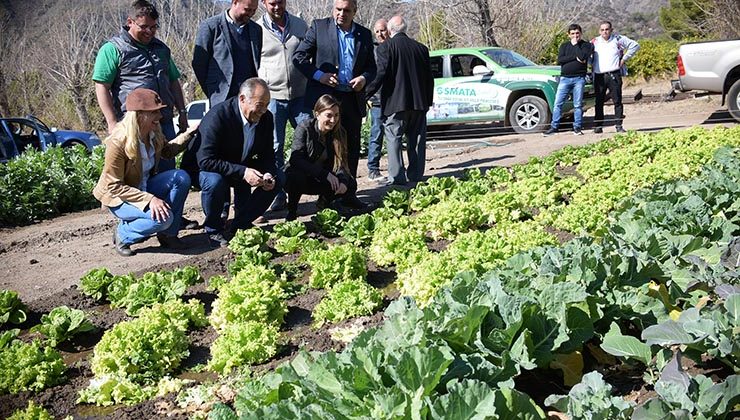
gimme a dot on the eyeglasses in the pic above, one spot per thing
(146, 27)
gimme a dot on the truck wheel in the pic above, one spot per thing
(733, 100)
(529, 114)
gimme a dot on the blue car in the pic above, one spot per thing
(17, 134)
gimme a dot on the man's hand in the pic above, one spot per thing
(329, 79)
(268, 181)
(183, 119)
(358, 83)
(160, 209)
(333, 181)
(253, 178)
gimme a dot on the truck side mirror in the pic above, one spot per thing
(481, 71)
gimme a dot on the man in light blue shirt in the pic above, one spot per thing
(338, 59)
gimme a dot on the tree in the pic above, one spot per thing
(434, 33)
(683, 19)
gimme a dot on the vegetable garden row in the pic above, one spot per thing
(620, 256)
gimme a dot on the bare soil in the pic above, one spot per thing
(44, 262)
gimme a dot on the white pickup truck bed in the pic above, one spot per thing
(713, 67)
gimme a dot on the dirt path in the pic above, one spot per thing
(45, 258)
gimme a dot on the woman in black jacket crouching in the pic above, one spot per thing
(318, 158)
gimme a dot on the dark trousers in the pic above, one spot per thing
(351, 118)
(613, 82)
(299, 183)
(248, 204)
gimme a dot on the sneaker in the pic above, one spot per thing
(577, 132)
(598, 130)
(621, 129)
(171, 242)
(279, 203)
(377, 177)
(218, 240)
(550, 132)
(188, 224)
(123, 250)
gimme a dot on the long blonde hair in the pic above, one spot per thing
(128, 129)
(338, 132)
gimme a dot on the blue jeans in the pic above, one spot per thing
(566, 86)
(168, 129)
(248, 204)
(136, 226)
(375, 143)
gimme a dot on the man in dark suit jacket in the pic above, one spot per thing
(236, 151)
(405, 73)
(337, 58)
(227, 51)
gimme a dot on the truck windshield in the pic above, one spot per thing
(507, 58)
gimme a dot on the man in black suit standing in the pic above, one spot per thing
(336, 56)
(405, 73)
(236, 152)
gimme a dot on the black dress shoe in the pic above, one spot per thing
(292, 215)
(123, 250)
(353, 202)
(598, 130)
(189, 224)
(171, 242)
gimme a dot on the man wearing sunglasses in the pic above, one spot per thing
(135, 58)
(573, 57)
(611, 51)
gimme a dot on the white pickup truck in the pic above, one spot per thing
(713, 67)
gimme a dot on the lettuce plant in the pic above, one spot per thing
(28, 366)
(337, 263)
(249, 239)
(329, 222)
(347, 299)
(243, 343)
(11, 308)
(63, 323)
(288, 236)
(359, 229)
(31, 412)
(254, 294)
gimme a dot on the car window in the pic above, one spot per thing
(437, 68)
(461, 65)
(508, 59)
(197, 111)
(25, 135)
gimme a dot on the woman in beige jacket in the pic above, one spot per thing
(146, 202)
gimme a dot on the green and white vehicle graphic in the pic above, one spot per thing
(494, 84)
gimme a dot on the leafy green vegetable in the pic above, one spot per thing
(243, 343)
(63, 323)
(32, 412)
(337, 263)
(249, 257)
(254, 294)
(288, 236)
(28, 366)
(249, 239)
(359, 229)
(591, 399)
(347, 299)
(617, 344)
(95, 283)
(147, 348)
(11, 308)
(329, 222)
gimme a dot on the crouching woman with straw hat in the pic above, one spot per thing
(145, 202)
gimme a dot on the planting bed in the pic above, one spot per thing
(606, 273)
